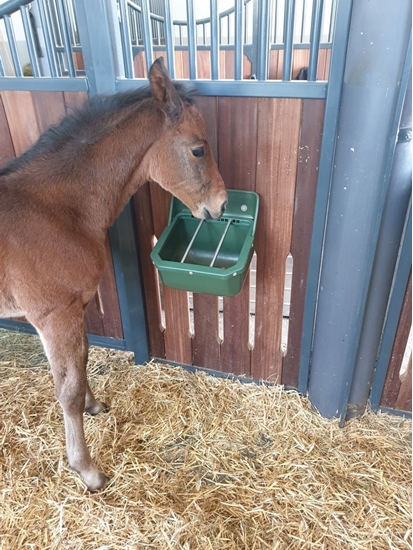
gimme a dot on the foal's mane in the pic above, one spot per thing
(91, 122)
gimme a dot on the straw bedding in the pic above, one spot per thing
(195, 463)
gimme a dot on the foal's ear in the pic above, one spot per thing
(164, 91)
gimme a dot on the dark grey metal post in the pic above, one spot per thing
(338, 55)
(401, 278)
(98, 55)
(394, 214)
(377, 49)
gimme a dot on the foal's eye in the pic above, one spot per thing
(198, 152)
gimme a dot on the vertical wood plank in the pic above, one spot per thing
(307, 174)
(112, 322)
(93, 318)
(179, 69)
(221, 64)
(6, 144)
(246, 68)
(21, 116)
(145, 231)
(204, 64)
(404, 398)
(229, 64)
(74, 100)
(205, 343)
(301, 58)
(139, 65)
(278, 138)
(178, 345)
(392, 383)
(178, 342)
(237, 149)
(49, 107)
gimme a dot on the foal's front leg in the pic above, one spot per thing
(64, 340)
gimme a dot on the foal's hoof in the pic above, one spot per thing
(96, 409)
(95, 482)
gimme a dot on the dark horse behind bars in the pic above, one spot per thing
(56, 203)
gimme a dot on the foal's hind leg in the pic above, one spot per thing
(92, 405)
(63, 337)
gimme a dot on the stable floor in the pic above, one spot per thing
(196, 463)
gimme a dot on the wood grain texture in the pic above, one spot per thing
(50, 108)
(205, 343)
(404, 398)
(392, 383)
(312, 122)
(74, 100)
(277, 146)
(237, 155)
(112, 322)
(22, 120)
(178, 346)
(145, 230)
(6, 143)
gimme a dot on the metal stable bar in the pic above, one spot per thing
(147, 33)
(44, 84)
(263, 39)
(126, 39)
(214, 40)
(9, 7)
(169, 39)
(220, 243)
(404, 266)
(63, 18)
(191, 242)
(239, 42)
(288, 39)
(332, 109)
(246, 88)
(31, 48)
(315, 39)
(47, 33)
(12, 45)
(191, 39)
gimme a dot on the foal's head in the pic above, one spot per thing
(181, 161)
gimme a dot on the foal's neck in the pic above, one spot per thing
(113, 169)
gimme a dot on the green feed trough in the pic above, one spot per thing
(208, 256)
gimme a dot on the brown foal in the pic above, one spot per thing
(56, 203)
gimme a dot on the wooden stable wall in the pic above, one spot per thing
(270, 146)
(23, 117)
(267, 145)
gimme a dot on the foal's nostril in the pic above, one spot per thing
(207, 214)
(224, 207)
